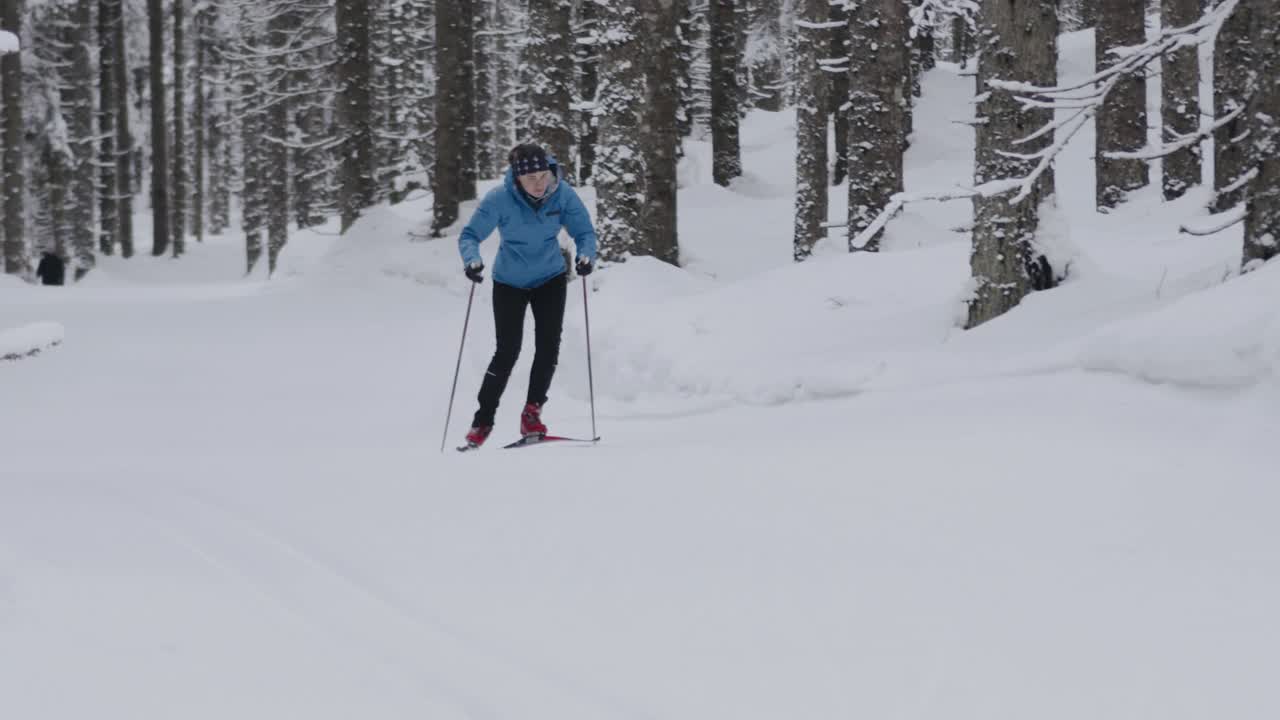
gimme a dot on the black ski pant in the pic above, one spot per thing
(509, 303)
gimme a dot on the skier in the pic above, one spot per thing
(528, 209)
(52, 269)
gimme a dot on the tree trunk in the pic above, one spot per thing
(662, 17)
(160, 235)
(551, 79)
(79, 96)
(620, 171)
(1180, 90)
(199, 142)
(589, 79)
(1020, 42)
(486, 103)
(1122, 119)
(354, 110)
(220, 116)
(1262, 223)
(124, 148)
(811, 130)
(108, 189)
(180, 180)
(765, 54)
(449, 117)
(837, 90)
(468, 172)
(1233, 53)
(878, 94)
(726, 163)
(253, 125)
(961, 41)
(281, 27)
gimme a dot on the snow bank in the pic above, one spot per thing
(29, 340)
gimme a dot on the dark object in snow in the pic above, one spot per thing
(52, 269)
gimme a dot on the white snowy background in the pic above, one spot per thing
(816, 497)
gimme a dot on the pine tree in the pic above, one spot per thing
(199, 122)
(250, 73)
(1020, 43)
(450, 96)
(763, 54)
(125, 149)
(878, 94)
(1122, 119)
(468, 172)
(485, 84)
(161, 234)
(811, 128)
(661, 20)
(620, 162)
(282, 31)
(109, 190)
(1233, 57)
(1262, 221)
(588, 77)
(726, 163)
(1180, 90)
(549, 60)
(78, 98)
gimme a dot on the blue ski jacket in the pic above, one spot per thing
(529, 251)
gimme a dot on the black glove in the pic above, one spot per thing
(584, 266)
(475, 272)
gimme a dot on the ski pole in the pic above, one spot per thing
(591, 383)
(445, 437)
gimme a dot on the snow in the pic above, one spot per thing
(816, 497)
(8, 42)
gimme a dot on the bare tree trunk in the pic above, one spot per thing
(1180, 90)
(1262, 223)
(357, 171)
(79, 96)
(1020, 43)
(878, 95)
(486, 104)
(15, 249)
(180, 180)
(449, 116)
(253, 125)
(283, 24)
(551, 78)
(1233, 54)
(199, 143)
(961, 41)
(160, 235)
(726, 163)
(1122, 119)
(124, 148)
(765, 60)
(468, 172)
(220, 119)
(811, 130)
(662, 17)
(620, 171)
(588, 80)
(837, 91)
(108, 188)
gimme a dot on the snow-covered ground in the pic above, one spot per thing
(816, 496)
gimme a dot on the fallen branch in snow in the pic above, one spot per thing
(1221, 221)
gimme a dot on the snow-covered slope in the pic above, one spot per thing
(816, 497)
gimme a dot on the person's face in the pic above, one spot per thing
(536, 183)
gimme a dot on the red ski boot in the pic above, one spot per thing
(476, 436)
(531, 421)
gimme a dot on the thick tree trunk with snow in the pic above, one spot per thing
(879, 90)
(1262, 223)
(488, 154)
(1020, 43)
(465, 70)
(161, 233)
(79, 97)
(726, 161)
(355, 111)
(199, 141)
(253, 200)
(620, 171)
(13, 183)
(1233, 56)
(1122, 119)
(281, 27)
(812, 103)
(549, 57)
(449, 116)
(124, 144)
(1180, 89)
(588, 74)
(837, 91)
(662, 137)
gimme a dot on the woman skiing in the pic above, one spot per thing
(528, 209)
